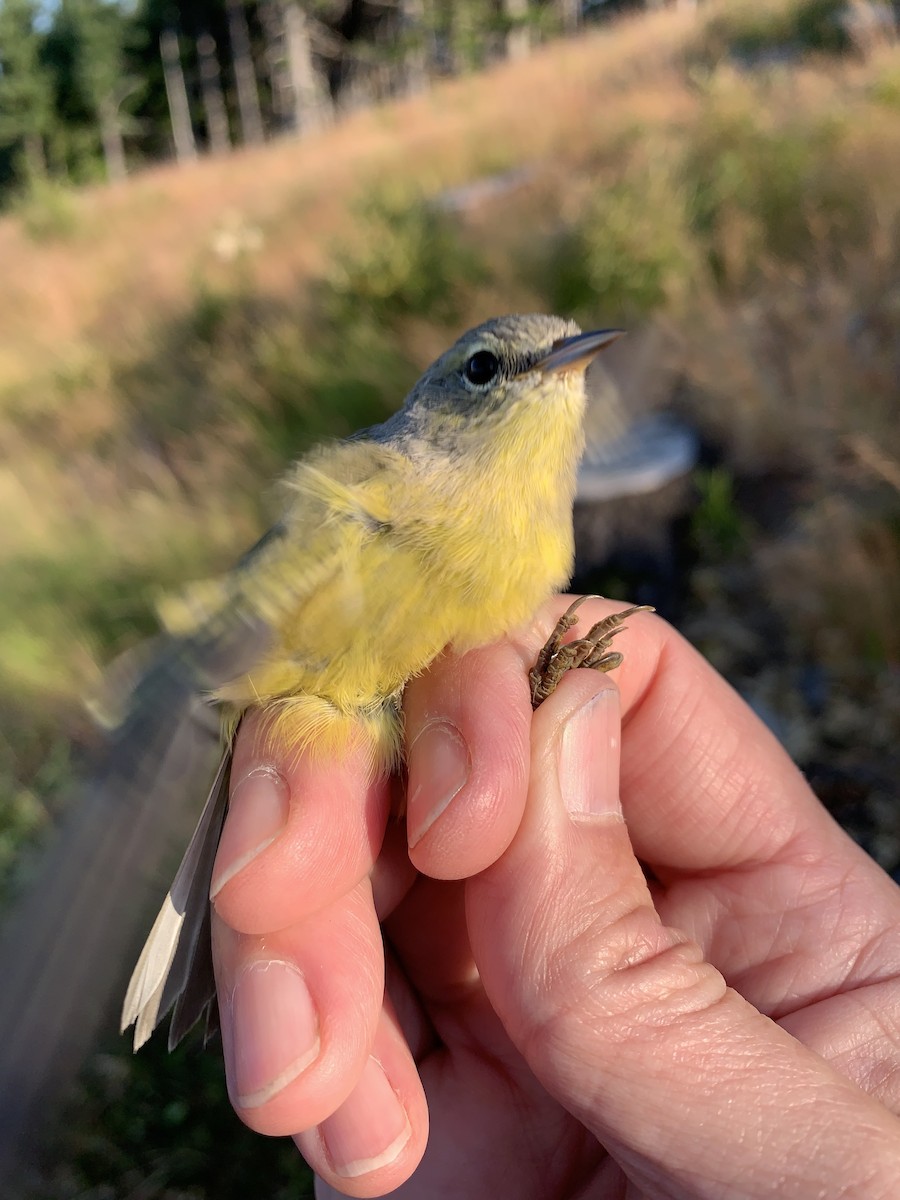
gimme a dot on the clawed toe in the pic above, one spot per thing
(591, 651)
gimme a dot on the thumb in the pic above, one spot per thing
(692, 1090)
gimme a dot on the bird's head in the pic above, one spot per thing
(496, 368)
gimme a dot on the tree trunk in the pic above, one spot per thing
(272, 17)
(446, 58)
(310, 104)
(412, 25)
(217, 132)
(244, 73)
(111, 137)
(518, 35)
(179, 110)
(569, 15)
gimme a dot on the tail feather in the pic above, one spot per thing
(197, 999)
(164, 968)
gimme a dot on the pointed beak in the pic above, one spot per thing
(575, 353)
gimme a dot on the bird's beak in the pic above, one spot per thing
(574, 353)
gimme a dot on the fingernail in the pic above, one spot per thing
(370, 1128)
(589, 752)
(271, 1033)
(257, 811)
(439, 766)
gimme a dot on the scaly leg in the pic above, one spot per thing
(593, 651)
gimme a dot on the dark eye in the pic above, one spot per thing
(482, 368)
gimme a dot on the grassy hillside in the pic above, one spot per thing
(169, 344)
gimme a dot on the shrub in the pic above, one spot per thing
(48, 211)
(628, 251)
(752, 29)
(759, 192)
(406, 257)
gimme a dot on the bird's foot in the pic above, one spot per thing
(593, 651)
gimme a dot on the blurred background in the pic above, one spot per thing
(230, 228)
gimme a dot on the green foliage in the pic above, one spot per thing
(757, 192)
(886, 87)
(718, 528)
(48, 210)
(94, 596)
(36, 769)
(754, 28)
(407, 258)
(94, 36)
(232, 372)
(160, 1126)
(98, 30)
(26, 89)
(23, 817)
(466, 30)
(23, 809)
(74, 152)
(101, 596)
(345, 377)
(628, 251)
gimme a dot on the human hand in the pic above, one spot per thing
(729, 1030)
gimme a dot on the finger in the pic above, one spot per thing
(621, 1019)
(429, 937)
(393, 875)
(467, 724)
(727, 822)
(858, 1032)
(406, 1004)
(299, 1009)
(300, 830)
(706, 785)
(375, 1140)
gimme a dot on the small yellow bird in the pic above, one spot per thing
(450, 523)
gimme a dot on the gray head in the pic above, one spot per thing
(493, 367)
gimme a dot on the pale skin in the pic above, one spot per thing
(730, 1030)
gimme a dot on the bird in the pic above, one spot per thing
(448, 524)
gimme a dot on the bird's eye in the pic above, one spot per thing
(482, 368)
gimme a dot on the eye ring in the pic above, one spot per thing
(482, 368)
